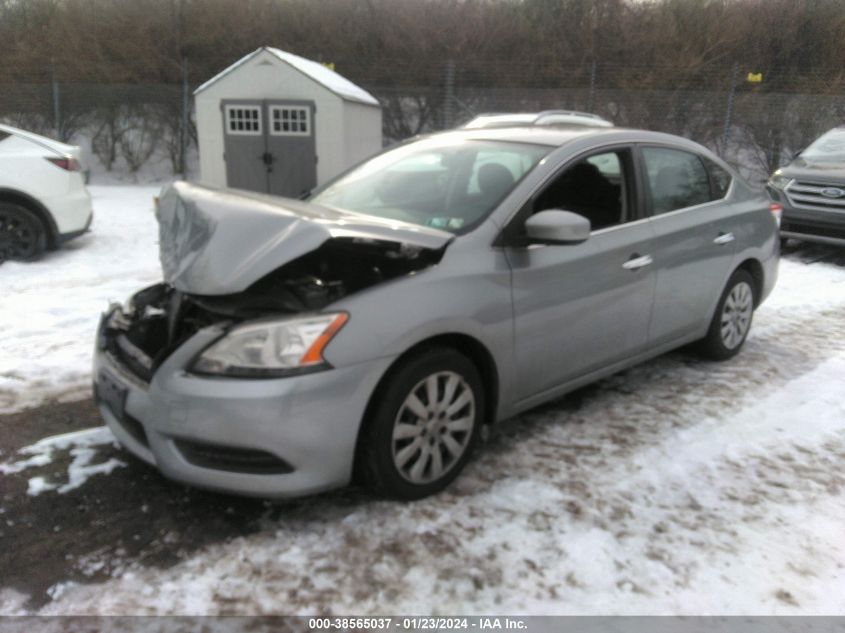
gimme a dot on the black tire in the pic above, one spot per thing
(380, 452)
(719, 344)
(22, 236)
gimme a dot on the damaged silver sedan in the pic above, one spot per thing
(376, 330)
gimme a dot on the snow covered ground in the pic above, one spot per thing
(677, 487)
(50, 308)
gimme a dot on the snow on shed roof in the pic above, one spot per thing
(329, 79)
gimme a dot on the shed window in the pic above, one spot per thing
(286, 121)
(243, 120)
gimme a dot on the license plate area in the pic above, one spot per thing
(111, 393)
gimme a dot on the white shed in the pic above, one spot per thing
(279, 123)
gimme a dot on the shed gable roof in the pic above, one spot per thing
(315, 71)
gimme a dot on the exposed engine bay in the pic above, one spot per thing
(158, 319)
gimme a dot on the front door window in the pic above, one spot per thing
(594, 187)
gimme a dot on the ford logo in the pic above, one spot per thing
(832, 192)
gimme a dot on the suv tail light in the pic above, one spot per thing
(777, 211)
(68, 164)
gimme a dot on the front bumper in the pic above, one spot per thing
(267, 438)
(810, 223)
(812, 230)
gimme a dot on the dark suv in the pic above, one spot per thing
(811, 190)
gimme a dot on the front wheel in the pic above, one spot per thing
(732, 320)
(424, 425)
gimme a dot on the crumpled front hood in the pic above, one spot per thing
(221, 241)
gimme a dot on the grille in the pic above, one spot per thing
(143, 338)
(236, 460)
(809, 194)
(133, 358)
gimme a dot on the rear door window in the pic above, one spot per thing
(720, 180)
(676, 179)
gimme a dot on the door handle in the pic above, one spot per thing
(637, 262)
(724, 238)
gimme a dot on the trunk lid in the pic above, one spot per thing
(62, 149)
(221, 241)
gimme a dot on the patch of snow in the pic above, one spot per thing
(82, 447)
(37, 485)
(36, 461)
(12, 602)
(81, 469)
(56, 591)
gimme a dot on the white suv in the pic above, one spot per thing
(43, 199)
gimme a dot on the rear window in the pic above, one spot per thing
(720, 180)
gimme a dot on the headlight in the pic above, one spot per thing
(779, 181)
(271, 348)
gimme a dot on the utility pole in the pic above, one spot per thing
(449, 96)
(591, 95)
(178, 7)
(57, 111)
(729, 110)
(186, 117)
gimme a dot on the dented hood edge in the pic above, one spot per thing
(221, 241)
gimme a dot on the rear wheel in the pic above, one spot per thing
(22, 237)
(732, 319)
(424, 425)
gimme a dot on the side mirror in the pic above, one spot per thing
(554, 226)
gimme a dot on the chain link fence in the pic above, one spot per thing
(755, 126)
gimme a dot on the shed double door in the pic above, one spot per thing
(269, 146)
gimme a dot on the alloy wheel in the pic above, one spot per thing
(736, 315)
(433, 427)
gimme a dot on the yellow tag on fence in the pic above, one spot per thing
(755, 78)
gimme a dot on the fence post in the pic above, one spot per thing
(591, 95)
(57, 112)
(449, 96)
(183, 127)
(729, 110)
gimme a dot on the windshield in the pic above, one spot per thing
(829, 148)
(444, 182)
